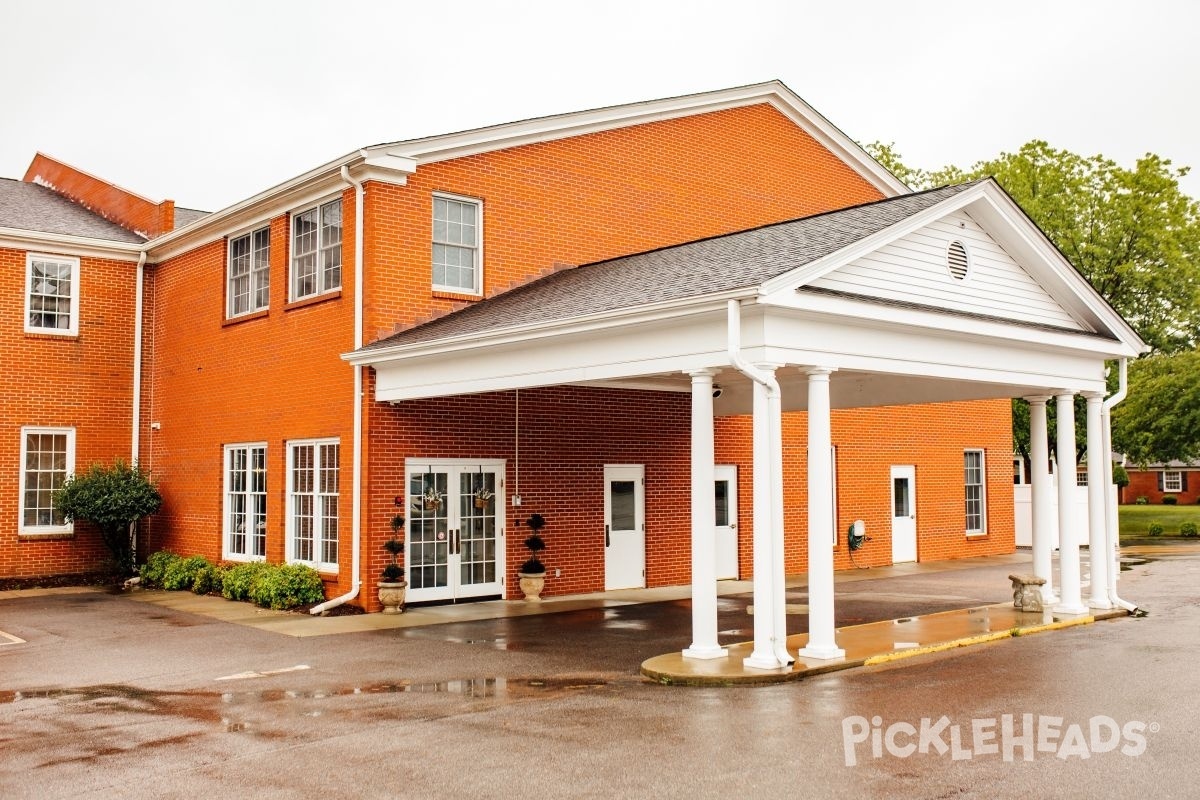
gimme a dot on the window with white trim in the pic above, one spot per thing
(249, 286)
(245, 536)
(1172, 481)
(317, 250)
(51, 294)
(47, 459)
(1081, 477)
(973, 479)
(1019, 471)
(457, 223)
(312, 492)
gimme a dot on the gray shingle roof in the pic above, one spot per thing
(709, 266)
(29, 207)
(186, 216)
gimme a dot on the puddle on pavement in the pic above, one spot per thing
(1128, 564)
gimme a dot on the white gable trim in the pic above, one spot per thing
(1012, 229)
(64, 244)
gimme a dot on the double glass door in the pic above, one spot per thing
(454, 545)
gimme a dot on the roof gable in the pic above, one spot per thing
(30, 207)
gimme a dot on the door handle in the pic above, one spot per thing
(607, 538)
(733, 526)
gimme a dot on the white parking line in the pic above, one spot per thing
(8, 638)
(243, 675)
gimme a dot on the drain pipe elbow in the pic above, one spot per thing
(1111, 537)
(734, 349)
(356, 500)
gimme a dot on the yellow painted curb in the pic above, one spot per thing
(972, 640)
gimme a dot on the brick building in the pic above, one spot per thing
(597, 317)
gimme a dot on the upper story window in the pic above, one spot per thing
(47, 460)
(249, 272)
(317, 250)
(457, 249)
(51, 294)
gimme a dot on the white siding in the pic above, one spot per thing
(913, 269)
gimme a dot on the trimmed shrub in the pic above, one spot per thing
(1189, 530)
(181, 573)
(156, 566)
(1170, 499)
(1142, 500)
(285, 586)
(1156, 529)
(236, 583)
(208, 580)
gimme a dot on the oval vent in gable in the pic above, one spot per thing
(956, 259)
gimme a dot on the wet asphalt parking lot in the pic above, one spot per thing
(108, 697)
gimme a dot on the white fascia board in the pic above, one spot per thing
(63, 244)
(545, 129)
(590, 323)
(949, 326)
(299, 191)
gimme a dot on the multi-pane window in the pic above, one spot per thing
(317, 250)
(973, 478)
(313, 472)
(47, 459)
(249, 272)
(1172, 481)
(456, 237)
(51, 294)
(1081, 478)
(245, 501)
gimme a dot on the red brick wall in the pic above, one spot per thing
(82, 382)
(129, 210)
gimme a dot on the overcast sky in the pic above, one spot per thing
(210, 101)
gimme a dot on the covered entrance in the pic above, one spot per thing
(941, 296)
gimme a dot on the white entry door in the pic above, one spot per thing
(454, 543)
(904, 514)
(624, 526)
(727, 517)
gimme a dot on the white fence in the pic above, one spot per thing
(1023, 512)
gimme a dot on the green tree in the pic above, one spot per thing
(112, 499)
(1160, 420)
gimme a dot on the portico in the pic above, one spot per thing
(859, 308)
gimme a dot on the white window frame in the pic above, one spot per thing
(317, 519)
(1081, 477)
(72, 328)
(981, 530)
(477, 287)
(257, 277)
(1172, 481)
(1019, 471)
(228, 493)
(322, 247)
(47, 530)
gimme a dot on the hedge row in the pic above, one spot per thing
(278, 586)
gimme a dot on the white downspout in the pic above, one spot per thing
(356, 500)
(1112, 541)
(135, 439)
(767, 380)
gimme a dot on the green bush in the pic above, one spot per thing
(156, 566)
(1189, 530)
(238, 579)
(1142, 500)
(285, 586)
(1156, 529)
(208, 580)
(181, 573)
(1170, 499)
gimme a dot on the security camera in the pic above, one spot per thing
(717, 391)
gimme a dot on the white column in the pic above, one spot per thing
(822, 643)
(768, 566)
(1039, 482)
(704, 546)
(779, 572)
(1071, 601)
(1099, 476)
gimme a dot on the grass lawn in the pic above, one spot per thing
(1135, 520)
